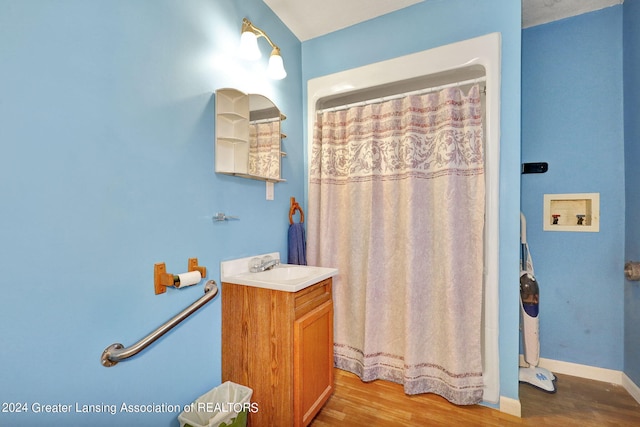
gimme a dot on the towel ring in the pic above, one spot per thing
(295, 207)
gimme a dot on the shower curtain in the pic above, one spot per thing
(264, 148)
(396, 203)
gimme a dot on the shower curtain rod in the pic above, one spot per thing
(401, 95)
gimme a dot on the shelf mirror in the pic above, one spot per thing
(248, 136)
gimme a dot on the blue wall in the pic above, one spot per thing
(106, 147)
(572, 118)
(632, 158)
(427, 25)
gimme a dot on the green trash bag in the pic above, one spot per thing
(224, 406)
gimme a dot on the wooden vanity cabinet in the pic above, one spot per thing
(280, 344)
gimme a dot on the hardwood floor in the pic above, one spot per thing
(578, 402)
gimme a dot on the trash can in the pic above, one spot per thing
(226, 405)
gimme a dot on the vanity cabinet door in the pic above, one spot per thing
(280, 344)
(313, 362)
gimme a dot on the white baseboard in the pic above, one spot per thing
(510, 406)
(577, 370)
(631, 387)
(591, 373)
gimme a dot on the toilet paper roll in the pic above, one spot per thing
(188, 279)
(632, 270)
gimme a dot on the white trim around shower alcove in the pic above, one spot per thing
(450, 60)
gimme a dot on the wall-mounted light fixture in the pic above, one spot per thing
(249, 49)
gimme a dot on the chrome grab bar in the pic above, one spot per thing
(117, 352)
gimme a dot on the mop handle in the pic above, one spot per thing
(523, 242)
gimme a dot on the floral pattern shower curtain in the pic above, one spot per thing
(264, 148)
(396, 203)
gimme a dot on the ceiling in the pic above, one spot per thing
(312, 18)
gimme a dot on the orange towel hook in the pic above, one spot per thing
(292, 210)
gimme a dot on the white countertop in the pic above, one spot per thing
(284, 277)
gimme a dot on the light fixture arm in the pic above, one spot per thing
(248, 26)
(249, 49)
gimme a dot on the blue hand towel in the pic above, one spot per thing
(297, 245)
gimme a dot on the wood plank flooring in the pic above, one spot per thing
(578, 402)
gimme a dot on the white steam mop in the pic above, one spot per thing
(529, 308)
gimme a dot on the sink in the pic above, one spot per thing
(285, 273)
(284, 277)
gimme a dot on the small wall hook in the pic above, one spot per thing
(540, 167)
(220, 216)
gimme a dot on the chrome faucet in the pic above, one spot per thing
(266, 263)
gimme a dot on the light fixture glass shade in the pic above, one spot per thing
(276, 70)
(249, 46)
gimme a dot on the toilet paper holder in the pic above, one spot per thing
(162, 279)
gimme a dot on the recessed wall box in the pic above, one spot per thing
(572, 212)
